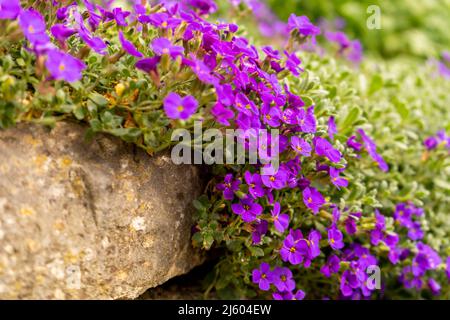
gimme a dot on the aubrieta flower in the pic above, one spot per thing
(371, 150)
(434, 286)
(303, 25)
(263, 276)
(282, 279)
(148, 64)
(295, 248)
(332, 266)
(306, 120)
(33, 26)
(336, 179)
(254, 183)
(164, 46)
(313, 199)
(313, 245)
(222, 114)
(275, 180)
(61, 32)
(332, 130)
(128, 46)
(300, 146)
(9, 9)
(63, 66)
(354, 144)
(177, 107)
(247, 209)
(229, 186)
(335, 238)
(260, 229)
(324, 148)
(280, 221)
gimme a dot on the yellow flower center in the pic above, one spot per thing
(283, 278)
(272, 178)
(268, 117)
(30, 29)
(299, 148)
(164, 24)
(62, 67)
(180, 108)
(309, 200)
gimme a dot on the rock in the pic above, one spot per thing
(84, 220)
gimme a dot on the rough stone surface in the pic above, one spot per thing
(82, 220)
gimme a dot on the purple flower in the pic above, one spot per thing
(434, 286)
(33, 26)
(307, 120)
(229, 186)
(164, 46)
(222, 114)
(292, 63)
(325, 149)
(95, 43)
(120, 16)
(263, 276)
(332, 266)
(415, 231)
(61, 32)
(355, 52)
(148, 64)
(430, 143)
(300, 146)
(280, 221)
(282, 279)
(63, 66)
(426, 259)
(371, 150)
(177, 107)
(245, 105)
(247, 209)
(350, 225)
(303, 25)
(352, 143)
(335, 238)
(254, 183)
(260, 229)
(128, 46)
(336, 179)
(338, 37)
(313, 199)
(9, 9)
(293, 250)
(275, 180)
(271, 115)
(313, 244)
(332, 130)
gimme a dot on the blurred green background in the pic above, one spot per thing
(415, 28)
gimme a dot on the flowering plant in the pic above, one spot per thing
(339, 207)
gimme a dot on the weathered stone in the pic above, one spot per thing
(81, 220)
